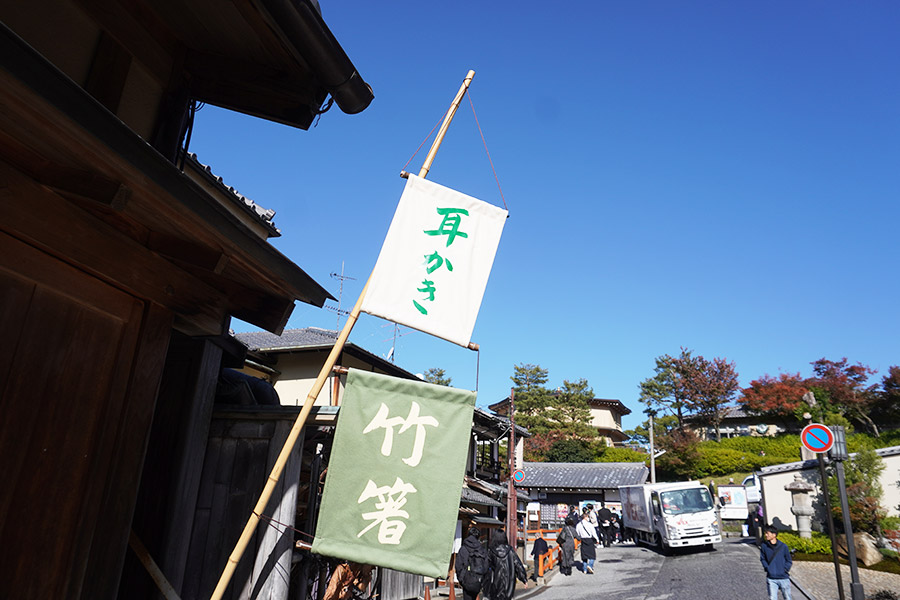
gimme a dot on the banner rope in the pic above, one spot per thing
(272, 522)
(486, 151)
(428, 137)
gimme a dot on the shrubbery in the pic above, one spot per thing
(622, 455)
(818, 544)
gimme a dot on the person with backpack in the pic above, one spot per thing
(505, 569)
(472, 564)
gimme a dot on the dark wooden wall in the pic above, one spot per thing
(79, 370)
(164, 514)
(239, 456)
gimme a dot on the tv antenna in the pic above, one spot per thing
(391, 354)
(340, 312)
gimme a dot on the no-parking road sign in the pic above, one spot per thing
(816, 437)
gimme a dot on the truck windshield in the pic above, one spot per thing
(678, 502)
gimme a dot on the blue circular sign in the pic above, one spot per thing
(518, 475)
(817, 437)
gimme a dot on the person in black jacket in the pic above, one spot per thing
(604, 516)
(776, 560)
(539, 549)
(505, 569)
(472, 564)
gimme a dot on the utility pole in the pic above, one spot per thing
(652, 452)
(512, 517)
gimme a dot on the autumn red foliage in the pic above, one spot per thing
(780, 395)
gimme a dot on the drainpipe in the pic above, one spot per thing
(303, 30)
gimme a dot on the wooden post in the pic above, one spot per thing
(336, 350)
(153, 569)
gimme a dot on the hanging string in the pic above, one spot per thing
(486, 151)
(272, 522)
(425, 140)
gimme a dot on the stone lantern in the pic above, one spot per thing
(802, 504)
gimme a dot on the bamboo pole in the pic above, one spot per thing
(426, 166)
(336, 350)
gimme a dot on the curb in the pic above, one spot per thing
(801, 589)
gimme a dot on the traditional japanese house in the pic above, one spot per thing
(121, 264)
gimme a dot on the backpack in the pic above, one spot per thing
(476, 568)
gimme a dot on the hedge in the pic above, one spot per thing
(818, 544)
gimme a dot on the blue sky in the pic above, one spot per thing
(722, 176)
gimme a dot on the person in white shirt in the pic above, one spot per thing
(588, 535)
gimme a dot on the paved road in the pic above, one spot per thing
(628, 572)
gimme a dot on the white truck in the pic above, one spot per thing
(670, 515)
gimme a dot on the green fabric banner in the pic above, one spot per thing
(395, 474)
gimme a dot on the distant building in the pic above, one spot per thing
(606, 417)
(738, 421)
(556, 486)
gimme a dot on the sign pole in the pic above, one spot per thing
(336, 350)
(839, 455)
(830, 520)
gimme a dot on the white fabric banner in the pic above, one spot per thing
(435, 261)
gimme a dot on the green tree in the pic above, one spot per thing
(570, 450)
(864, 492)
(570, 409)
(887, 405)
(437, 377)
(531, 398)
(550, 416)
(662, 426)
(712, 385)
(622, 455)
(668, 390)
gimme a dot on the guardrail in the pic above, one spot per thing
(545, 562)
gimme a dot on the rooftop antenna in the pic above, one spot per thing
(340, 277)
(390, 354)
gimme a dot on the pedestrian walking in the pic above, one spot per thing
(604, 516)
(588, 535)
(776, 560)
(538, 550)
(505, 569)
(566, 541)
(472, 564)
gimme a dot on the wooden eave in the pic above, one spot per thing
(112, 205)
(273, 59)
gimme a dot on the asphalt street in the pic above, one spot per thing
(629, 572)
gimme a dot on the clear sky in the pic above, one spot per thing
(722, 176)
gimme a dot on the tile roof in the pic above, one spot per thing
(262, 215)
(291, 338)
(583, 475)
(475, 497)
(813, 463)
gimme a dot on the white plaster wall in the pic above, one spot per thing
(777, 501)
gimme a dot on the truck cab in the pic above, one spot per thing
(671, 515)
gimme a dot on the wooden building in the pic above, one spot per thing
(121, 264)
